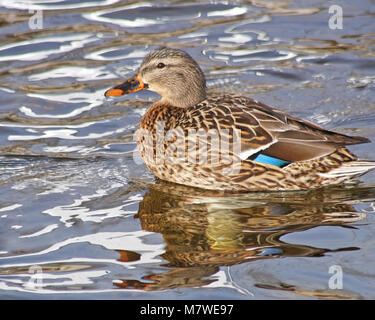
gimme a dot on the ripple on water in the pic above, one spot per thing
(43, 47)
(79, 274)
(132, 55)
(162, 18)
(76, 201)
(78, 73)
(54, 4)
(76, 102)
(243, 56)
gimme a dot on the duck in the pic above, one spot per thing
(229, 142)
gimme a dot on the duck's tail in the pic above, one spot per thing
(351, 169)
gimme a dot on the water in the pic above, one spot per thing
(81, 219)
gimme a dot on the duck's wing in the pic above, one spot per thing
(270, 132)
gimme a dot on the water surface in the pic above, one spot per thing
(81, 219)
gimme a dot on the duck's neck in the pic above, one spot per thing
(186, 99)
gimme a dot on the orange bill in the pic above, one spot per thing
(131, 85)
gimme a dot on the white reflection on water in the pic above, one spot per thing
(131, 53)
(137, 241)
(11, 207)
(236, 11)
(69, 149)
(224, 280)
(166, 14)
(237, 38)
(236, 56)
(67, 134)
(58, 185)
(37, 126)
(7, 90)
(63, 43)
(193, 35)
(52, 4)
(306, 58)
(90, 99)
(45, 230)
(243, 27)
(137, 22)
(359, 81)
(15, 227)
(78, 73)
(77, 210)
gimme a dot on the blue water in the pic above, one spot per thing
(82, 218)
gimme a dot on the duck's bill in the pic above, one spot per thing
(131, 85)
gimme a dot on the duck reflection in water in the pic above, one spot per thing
(205, 230)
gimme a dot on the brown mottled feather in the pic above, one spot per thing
(313, 150)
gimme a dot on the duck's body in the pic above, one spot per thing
(230, 142)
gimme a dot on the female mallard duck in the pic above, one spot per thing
(230, 142)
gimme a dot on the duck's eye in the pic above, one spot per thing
(161, 65)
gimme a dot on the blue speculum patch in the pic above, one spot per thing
(271, 160)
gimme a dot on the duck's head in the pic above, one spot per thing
(171, 73)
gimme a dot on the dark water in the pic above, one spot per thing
(80, 218)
